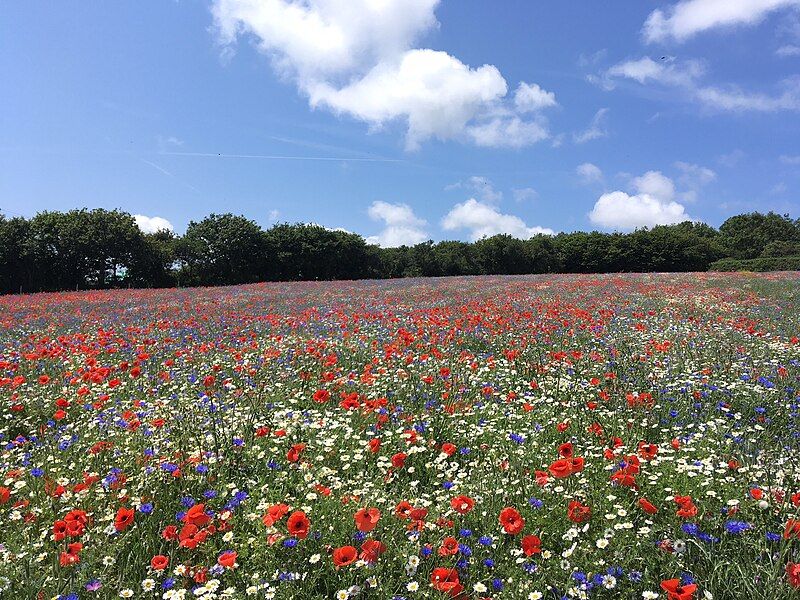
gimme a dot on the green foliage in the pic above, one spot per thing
(747, 236)
(782, 263)
(86, 249)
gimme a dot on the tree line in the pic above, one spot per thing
(96, 249)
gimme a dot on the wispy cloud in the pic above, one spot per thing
(598, 128)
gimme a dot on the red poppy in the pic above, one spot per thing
(565, 450)
(676, 591)
(298, 524)
(159, 562)
(227, 559)
(399, 460)
(531, 544)
(5, 494)
(578, 513)
(449, 546)
(293, 455)
(123, 519)
(647, 451)
(366, 519)
(511, 520)
(647, 506)
(71, 556)
(344, 556)
(560, 468)
(792, 529)
(322, 396)
(196, 515)
(449, 448)
(576, 464)
(403, 509)
(274, 514)
(462, 504)
(371, 550)
(446, 580)
(793, 573)
(191, 536)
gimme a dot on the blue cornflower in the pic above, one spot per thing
(146, 508)
(37, 472)
(737, 527)
(485, 540)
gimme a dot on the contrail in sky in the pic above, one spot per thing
(280, 157)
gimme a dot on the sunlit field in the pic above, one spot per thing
(631, 436)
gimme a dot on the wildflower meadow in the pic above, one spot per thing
(534, 437)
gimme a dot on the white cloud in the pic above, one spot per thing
(434, 92)
(525, 194)
(357, 58)
(530, 97)
(479, 185)
(690, 17)
(655, 184)
(790, 160)
(597, 128)
(510, 132)
(693, 176)
(152, 224)
(652, 204)
(274, 215)
(402, 226)
(589, 173)
(788, 50)
(484, 220)
(666, 71)
(686, 76)
(618, 210)
(733, 99)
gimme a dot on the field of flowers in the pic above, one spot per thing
(633, 436)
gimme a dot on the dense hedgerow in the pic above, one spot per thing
(491, 437)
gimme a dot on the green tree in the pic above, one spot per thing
(747, 236)
(221, 250)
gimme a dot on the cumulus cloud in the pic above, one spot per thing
(152, 224)
(652, 204)
(687, 18)
(598, 128)
(357, 58)
(401, 226)
(530, 97)
(483, 220)
(687, 77)
(589, 173)
(654, 184)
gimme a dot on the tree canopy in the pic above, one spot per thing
(95, 249)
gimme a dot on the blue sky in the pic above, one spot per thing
(403, 120)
